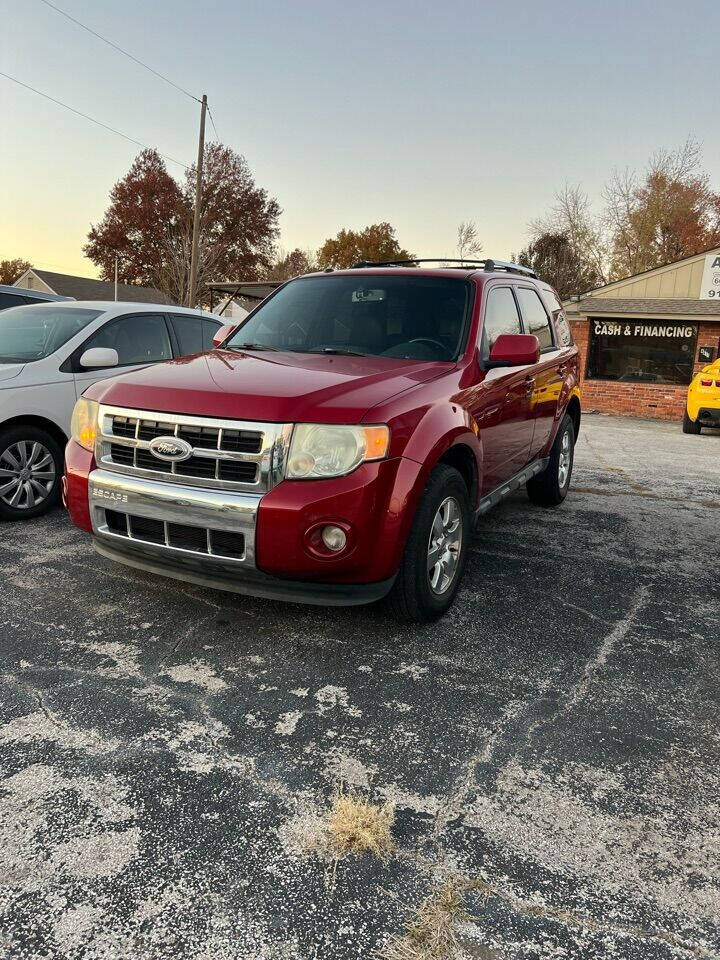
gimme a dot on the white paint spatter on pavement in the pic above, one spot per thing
(74, 927)
(544, 818)
(348, 771)
(104, 855)
(98, 815)
(403, 799)
(198, 673)
(330, 697)
(414, 670)
(44, 725)
(125, 657)
(287, 723)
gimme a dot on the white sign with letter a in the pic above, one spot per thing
(710, 286)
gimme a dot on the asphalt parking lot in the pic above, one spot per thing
(553, 741)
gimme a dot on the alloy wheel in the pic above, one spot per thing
(444, 545)
(27, 474)
(564, 461)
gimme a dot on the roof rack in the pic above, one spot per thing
(487, 265)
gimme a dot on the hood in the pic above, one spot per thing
(8, 371)
(277, 387)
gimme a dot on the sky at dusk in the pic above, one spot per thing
(423, 114)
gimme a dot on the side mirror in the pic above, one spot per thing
(222, 333)
(514, 350)
(99, 357)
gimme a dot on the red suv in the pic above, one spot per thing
(338, 445)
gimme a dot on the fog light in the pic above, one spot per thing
(334, 538)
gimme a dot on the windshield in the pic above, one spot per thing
(417, 317)
(34, 332)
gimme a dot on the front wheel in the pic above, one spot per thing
(31, 463)
(436, 550)
(549, 488)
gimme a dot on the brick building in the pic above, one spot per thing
(643, 339)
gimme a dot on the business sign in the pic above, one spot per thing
(641, 351)
(710, 286)
(681, 331)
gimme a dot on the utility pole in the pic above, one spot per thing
(116, 260)
(192, 294)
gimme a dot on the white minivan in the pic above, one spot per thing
(49, 354)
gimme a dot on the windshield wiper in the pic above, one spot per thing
(339, 350)
(250, 346)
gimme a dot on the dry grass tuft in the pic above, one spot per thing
(431, 934)
(356, 826)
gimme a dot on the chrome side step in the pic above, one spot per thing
(505, 489)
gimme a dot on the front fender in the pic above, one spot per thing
(441, 427)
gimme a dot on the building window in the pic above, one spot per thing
(647, 351)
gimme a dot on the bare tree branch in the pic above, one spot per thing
(468, 245)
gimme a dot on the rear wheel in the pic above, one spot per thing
(690, 426)
(436, 550)
(549, 488)
(31, 464)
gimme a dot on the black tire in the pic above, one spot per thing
(30, 434)
(412, 598)
(690, 426)
(546, 489)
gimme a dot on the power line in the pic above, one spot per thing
(212, 121)
(115, 46)
(91, 119)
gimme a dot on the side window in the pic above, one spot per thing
(188, 330)
(561, 323)
(535, 317)
(12, 300)
(209, 329)
(501, 316)
(139, 338)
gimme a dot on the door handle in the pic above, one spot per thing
(529, 386)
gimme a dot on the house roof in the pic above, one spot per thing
(663, 268)
(652, 307)
(85, 288)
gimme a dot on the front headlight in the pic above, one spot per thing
(83, 426)
(326, 450)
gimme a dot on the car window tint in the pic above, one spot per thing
(501, 316)
(562, 326)
(188, 330)
(140, 338)
(535, 317)
(209, 329)
(11, 300)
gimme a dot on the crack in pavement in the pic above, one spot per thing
(454, 807)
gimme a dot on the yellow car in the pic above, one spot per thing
(703, 402)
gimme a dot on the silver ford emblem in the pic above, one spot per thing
(174, 449)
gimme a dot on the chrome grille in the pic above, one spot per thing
(229, 454)
(226, 544)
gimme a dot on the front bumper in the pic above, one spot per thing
(117, 500)
(250, 543)
(254, 584)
